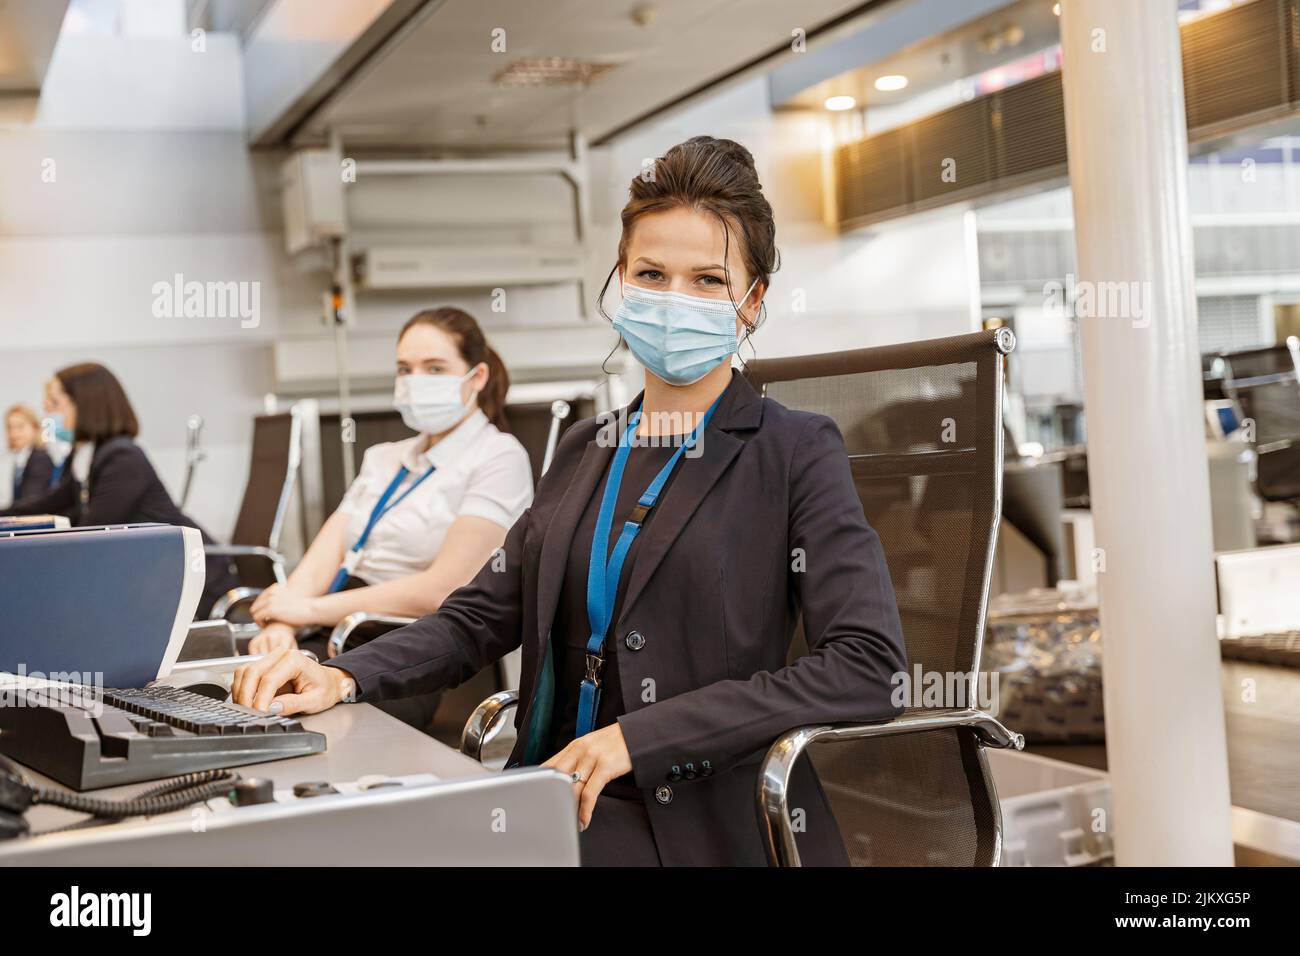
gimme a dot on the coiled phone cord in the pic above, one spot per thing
(173, 795)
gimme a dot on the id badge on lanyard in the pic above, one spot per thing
(353, 557)
(603, 575)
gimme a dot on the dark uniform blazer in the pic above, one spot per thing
(34, 480)
(763, 525)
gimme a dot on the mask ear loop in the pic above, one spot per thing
(619, 341)
(749, 329)
(475, 392)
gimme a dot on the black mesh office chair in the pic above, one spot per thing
(272, 475)
(1265, 383)
(922, 425)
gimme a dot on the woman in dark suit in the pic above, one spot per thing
(657, 579)
(33, 467)
(108, 479)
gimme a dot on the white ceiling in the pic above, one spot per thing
(436, 87)
(28, 31)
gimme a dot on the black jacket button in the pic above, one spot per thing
(675, 774)
(706, 768)
(664, 795)
(690, 771)
(635, 640)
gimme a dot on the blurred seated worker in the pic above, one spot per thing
(33, 467)
(108, 479)
(425, 513)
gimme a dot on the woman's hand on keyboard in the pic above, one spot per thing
(274, 637)
(287, 682)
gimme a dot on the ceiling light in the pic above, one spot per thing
(1056, 8)
(891, 83)
(839, 103)
(551, 71)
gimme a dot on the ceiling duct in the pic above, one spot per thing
(1241, 68)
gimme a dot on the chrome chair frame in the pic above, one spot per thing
(485, 722)
(778, 766)
(344, 628)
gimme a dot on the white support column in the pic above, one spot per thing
(1146, 447)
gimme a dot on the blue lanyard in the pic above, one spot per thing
(382, 507)
(603, 576)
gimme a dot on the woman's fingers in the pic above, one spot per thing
(260, 602)
(569, 760)
(312, 700)
(284, 669)
(600, 776)
(584, 757)
(594, 777)
(249, 678)
(245, 681)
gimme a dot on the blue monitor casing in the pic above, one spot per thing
(101, 604)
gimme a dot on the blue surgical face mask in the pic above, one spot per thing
(57, 430)
(678, 337)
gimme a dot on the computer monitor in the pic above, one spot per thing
(110, 603)
(1222, 417)
(1032, 500)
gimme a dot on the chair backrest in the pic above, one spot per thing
(368, 428)
(530, 422)
(1266, 362)
(922, 426)
(272, 470)
(1265, 383)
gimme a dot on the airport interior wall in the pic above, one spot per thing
(133, 168)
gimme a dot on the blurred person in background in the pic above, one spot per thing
(33, 467)
(108, 479)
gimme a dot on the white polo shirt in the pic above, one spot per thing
(479, 470)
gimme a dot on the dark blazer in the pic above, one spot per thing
(123, 488)
(764, 525)
(34, 480)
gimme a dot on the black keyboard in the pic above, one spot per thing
(86, 739)
(1282, 649)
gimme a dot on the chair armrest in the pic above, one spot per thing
(485, 721)
(778, 765)
(249, 551)
(344, 636)
(232, 600)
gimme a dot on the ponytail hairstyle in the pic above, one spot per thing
(473, 347)
(715, 176)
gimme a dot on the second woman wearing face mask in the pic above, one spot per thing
(424, 514)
